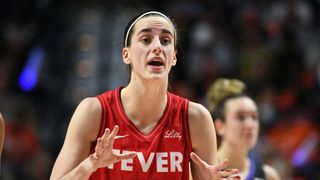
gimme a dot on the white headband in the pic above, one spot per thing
(141, 16)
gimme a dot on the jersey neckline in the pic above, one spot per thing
(135, 131)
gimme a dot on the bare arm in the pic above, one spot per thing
(82, 132)
(203, 137)
(204, 163)
(75, 160)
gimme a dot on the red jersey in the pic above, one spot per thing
(162, 154)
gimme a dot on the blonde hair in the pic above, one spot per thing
(223, 88)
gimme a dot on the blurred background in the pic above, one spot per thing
(54, 53)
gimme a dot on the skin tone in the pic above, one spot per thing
(2, 127)
(151, 56)
(239, 132)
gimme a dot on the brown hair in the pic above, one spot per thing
(133, 21)
(222, 90)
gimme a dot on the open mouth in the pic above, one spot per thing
(155, 63)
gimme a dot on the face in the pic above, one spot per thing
(151, 53)
(241, 125)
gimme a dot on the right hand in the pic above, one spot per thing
(104, 155)
(217, 171)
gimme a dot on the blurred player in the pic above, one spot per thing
(236, 120)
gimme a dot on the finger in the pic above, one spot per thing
(196, 159)
(106, 133)
(229, 172)
(223, 164)
(105, 137)
(232, 171)
(98, 147)
(129, 155)
(113, 134)
(99, 144)
(114, 131)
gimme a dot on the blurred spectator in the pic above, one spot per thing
(23, 156)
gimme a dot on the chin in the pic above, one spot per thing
(158, 76)
(252, 144)
(249, 143)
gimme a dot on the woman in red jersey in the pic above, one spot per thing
(154, 132)
(236, 119)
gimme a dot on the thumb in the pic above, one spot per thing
(197, 160)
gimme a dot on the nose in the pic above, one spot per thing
(157, 50)
(156, 46)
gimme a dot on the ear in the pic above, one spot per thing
(174, 61)
(125, 55)
(219, 124)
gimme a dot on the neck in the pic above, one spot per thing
(237, 157)
(144, 104)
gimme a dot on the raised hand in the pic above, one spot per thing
(215, 172)
(104, 155)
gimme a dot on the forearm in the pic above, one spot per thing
(80, 172)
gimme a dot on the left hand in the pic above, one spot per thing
(215, 172)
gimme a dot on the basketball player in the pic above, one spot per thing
(236, 119)
(154, 132)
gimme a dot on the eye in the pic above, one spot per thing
(241, 117)
(165, 41)
(255, 117)
(146, 40)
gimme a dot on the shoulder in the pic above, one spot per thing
(271, 173)
(88, 108)
(110, 96)
(91, 104)
(86, 118)
(197, 112)
(200, 124)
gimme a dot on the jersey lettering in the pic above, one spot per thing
(125, 164)
(165, 161)
(162, 161)
(145, 165)
(176, 160)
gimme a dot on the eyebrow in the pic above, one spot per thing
(165, 31)
(245, 111)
